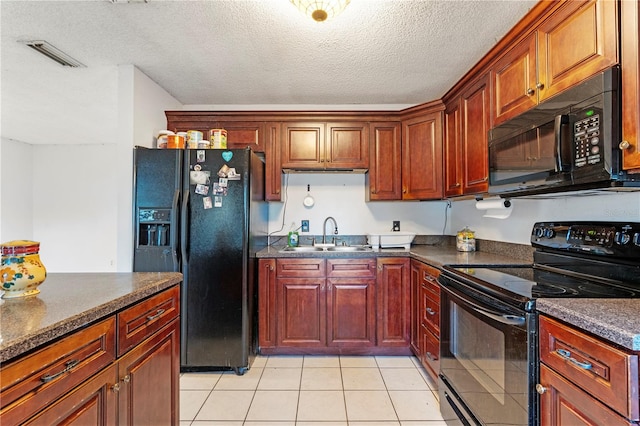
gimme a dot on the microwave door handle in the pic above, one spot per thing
(561, 121)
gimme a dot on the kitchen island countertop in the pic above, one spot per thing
(616, 320)
(69, 301)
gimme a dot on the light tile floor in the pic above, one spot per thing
(313, 391)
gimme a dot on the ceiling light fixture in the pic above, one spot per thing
(54, 53)
(321, 10)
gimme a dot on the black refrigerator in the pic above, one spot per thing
(202, 213)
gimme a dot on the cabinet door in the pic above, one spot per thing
(301, 312)
(393, 313)
(384, 180)
(351, 316)
(577, 41)
(563, 403)
(514, 81)
(267, 303)
(453, 161)
(630, 26)
(416, 312)
(273, 165)
(152, 365)
(347, 146)
(475, 127)
(243, 134)
(303, 145)
(422, 157)
(92, 403)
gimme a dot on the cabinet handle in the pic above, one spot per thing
(431, 356)
(157, 315)
(69, 365)
(624, 145)
(540, 389)
(530, 92)
(567, 355)
(431, 311)
(126, 379)
(269, 267)
(116, 387)
(540, 86)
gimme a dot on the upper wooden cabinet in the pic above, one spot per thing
(240, 133)
(384, 180)
(422, 157)
(467, 122)
(273, 167)
(575, 42)
(630, 26)
(330, 146)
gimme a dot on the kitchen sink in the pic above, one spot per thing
(349, 248)
(301, 249)
(331, 248)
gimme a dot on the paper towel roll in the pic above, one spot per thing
(496, 208)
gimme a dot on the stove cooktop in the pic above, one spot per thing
(533, 283)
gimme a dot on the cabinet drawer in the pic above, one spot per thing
(563, 403)
(300, 268)
(36, 380)
(146, 317)
(431, 351)
(361, 267)
(604, 371)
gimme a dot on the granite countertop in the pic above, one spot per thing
(435, 255)
(70, 301)
(616, 320)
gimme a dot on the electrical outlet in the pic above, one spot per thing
(305, 226)
(396, 225)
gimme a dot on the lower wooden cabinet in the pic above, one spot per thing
(425, 316)
(585, 380)
(328, 306)
(79, 380)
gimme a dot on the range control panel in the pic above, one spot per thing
(619, 239)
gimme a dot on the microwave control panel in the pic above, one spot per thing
(587, 139)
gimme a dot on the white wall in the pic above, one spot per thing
(16, 192)
(342, 196)
(601, 205)
(77, 193)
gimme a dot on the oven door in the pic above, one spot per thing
(488, 359)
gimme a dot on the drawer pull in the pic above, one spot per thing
(157, 315)
(431, 357)
(431, 311)
(567, 355)
(69, 365)
(540, 389)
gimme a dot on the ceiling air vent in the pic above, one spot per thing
(51, 52)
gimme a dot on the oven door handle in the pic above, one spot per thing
(504, 319)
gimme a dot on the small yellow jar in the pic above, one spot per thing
(466, 240)
(21, 270)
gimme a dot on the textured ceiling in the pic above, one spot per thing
(252, 52)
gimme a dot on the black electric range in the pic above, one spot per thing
(489, 324)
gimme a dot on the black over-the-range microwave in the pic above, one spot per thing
(567, 143)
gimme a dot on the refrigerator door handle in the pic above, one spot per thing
(184, 235)
(174, 231)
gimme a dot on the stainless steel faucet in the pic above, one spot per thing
(324, 229)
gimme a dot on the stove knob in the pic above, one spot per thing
(622, 238)
(549, 233)
(636, 238)
(538, 232)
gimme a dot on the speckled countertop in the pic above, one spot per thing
(616, 320)
(435, 255)
(69, 301)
